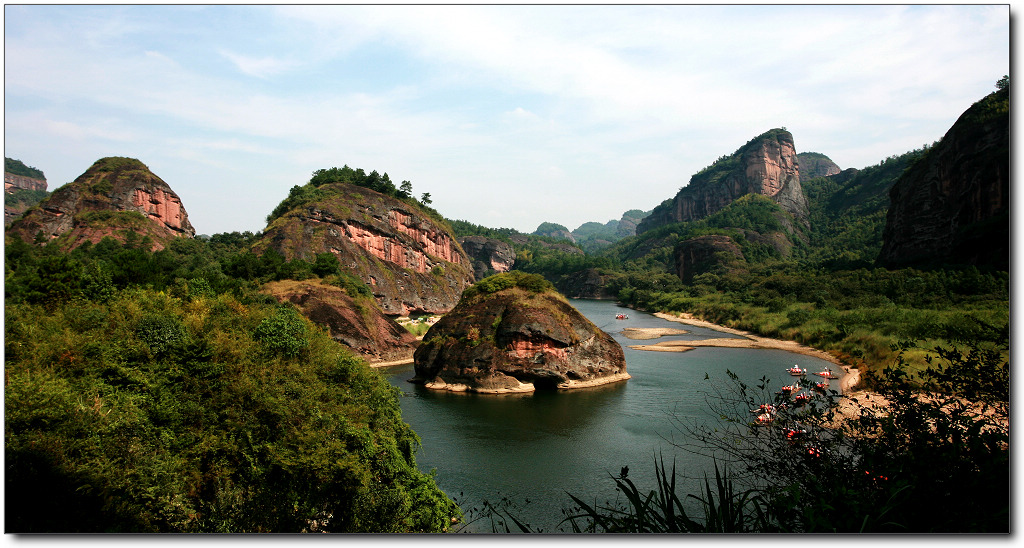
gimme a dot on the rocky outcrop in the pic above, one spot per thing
(356, 323)
(766, 165)
(488, 256)
(706, 254)
(511, 338)
(13, 182)
(953, 205)
(554, 230)
(586, 284)
(411, 263)
(20, 193)
(815, 164)
(114, 197)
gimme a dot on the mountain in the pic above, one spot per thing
(593, 236)
(952, 206)
(24, 187)
(815, 164)
(411, 262)
(117, 197)
(766, 165)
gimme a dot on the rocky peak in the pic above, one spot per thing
(411, 263)
(114, 196)
(766, 165)
(814, 164)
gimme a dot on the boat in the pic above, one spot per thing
(821, 386)
(765, 419)
(801, 398)
(790, 389)
(621, 317)
(796, 371)
(827, 373)
(764, 408)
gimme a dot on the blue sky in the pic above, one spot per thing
(507, 115)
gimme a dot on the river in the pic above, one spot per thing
(532, 449)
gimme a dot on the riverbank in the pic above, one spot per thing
(848, 384)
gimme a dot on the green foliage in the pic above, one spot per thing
(548, 229)
(151, 413)
(118, 164)
(22, 198)
(533, 283)
(283, 333)
(17, 167)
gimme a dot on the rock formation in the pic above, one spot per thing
(488, 255)
(554, 230)
(13, 182)
(814, 164)
(766, 165)
(114, 197)
(953, 205)
(513, 333)
(20, 193)
(356, 323)
(705, 254)
(411, 263)
(586, 284)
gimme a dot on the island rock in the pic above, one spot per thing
(513, 332)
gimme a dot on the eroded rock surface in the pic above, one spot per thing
(114, 197)
(953, 205)
(766, 165)
(358, 324)
(516, 340)
(411, 263)
(488, 255)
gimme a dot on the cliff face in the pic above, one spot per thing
(112, 198)
(952, 206)
(12, 182)
(20, 193)
(766, 165)
(586, 284)
(412, 264)
(516, 340)
(359, 325)
(489, 256)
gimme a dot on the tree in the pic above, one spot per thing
(425, 198)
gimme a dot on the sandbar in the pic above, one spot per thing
(641, 333)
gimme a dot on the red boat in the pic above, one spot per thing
(821, 386)
(796, 371)
(790, 389)
(801, 398)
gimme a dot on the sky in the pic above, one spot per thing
(509, 116)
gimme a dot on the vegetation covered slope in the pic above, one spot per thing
(161, 392)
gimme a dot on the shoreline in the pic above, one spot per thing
(525, 387)
(848, 384)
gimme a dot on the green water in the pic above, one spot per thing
(532, 449)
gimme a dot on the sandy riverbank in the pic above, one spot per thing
(749, 340)
(642, 333)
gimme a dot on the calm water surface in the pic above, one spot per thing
(533, 449)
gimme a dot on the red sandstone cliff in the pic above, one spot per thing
(411, 263)
(766, 165)
(113, 197)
